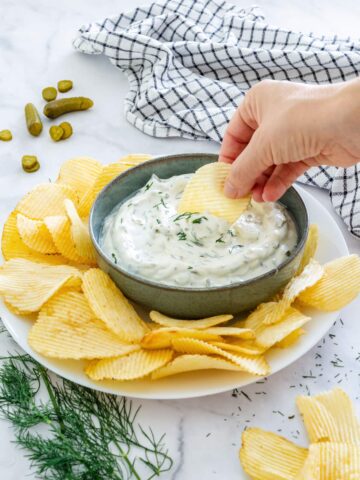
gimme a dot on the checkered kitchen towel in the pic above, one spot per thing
(190, 62)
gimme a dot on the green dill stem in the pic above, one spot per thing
(52, 398)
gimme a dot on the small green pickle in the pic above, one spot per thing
(65, 105)
(56, 133)
(49, 93)
(64, 85)
(30, 163)
(67, 128)
(33, 121)
(5, 135)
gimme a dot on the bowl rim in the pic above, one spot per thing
(162, 159)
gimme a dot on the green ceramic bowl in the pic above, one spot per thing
(183, 302)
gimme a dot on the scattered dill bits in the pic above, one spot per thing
(78, 432)
(148, 186)
(220, 239)
(5, 135)
(114, 258)
(199, 220)
(181, 235)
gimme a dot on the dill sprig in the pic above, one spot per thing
(83, 434)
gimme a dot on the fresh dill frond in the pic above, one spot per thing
(85, 435)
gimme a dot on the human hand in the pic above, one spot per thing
(283, 128)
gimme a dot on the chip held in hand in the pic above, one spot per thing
(205, 193)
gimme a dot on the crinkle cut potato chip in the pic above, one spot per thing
(80, 173)
(205, 193)
(256, 365)
(190, 363)
(269, 335)
(12, 245)
(59, 227)
(163, 337)
(311, 274)
(67, 328)
(332, 461)
(310, 247)
(46, 199)
(339, 285)
(134, 159)
(80, 234)
(245, 333)
(248, 348)
(202, 323)
(319, 422)
(27, 285)
(35, 235)
(291, 339)
(112, 307)
(339, 405)
(267, 456)
(131, 367)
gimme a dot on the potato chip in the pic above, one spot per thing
(188, 363)
(310, 247)
(110, 306)
(339, 405)
(80, 173)
(35, 234)
(248, 348)
(162, 337)
(166, 321)
(67, 328)
(107, 174)
(256, 365)
(27, 285)
(245, 333)
(256, 318)
(133, 366)
(13, 247)
(59, 228)
(290, 339)
(205, 193)
(134, 159)
(269, 335)
(267, 456)
(80, 234)
(319, 422)
(46, 199)
(308, 277)
(339, 285)
(332, 461)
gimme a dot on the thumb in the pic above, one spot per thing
(254, 160)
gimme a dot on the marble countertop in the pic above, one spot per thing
(203, 435)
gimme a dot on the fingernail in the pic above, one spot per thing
(230, 190)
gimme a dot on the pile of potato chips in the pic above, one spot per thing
(334, 452)
(50, 273)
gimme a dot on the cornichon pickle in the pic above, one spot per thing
(33, 122)
(67, 128)
(49, 93)
(30, 163)
(65, 105)
(64, 85)
(56, 133)
(5, 135)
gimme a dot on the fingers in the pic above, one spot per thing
(252, 162)
(281, 179)
(237, 135)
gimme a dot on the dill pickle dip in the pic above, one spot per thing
(145, 235)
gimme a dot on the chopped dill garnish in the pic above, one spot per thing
(181, 235)
(199, 220)
(160, 203)
(158, 221)
(114, 257)
(77, 433)
(220, 239)
(185, 215)
(148, 185)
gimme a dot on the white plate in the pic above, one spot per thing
(197, 384)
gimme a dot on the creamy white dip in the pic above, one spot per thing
(146, 236)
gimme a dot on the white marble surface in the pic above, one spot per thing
(35, 50)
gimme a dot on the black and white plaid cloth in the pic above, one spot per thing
(190, 62)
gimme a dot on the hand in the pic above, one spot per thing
(283, 128)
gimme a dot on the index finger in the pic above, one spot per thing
(237, 135)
